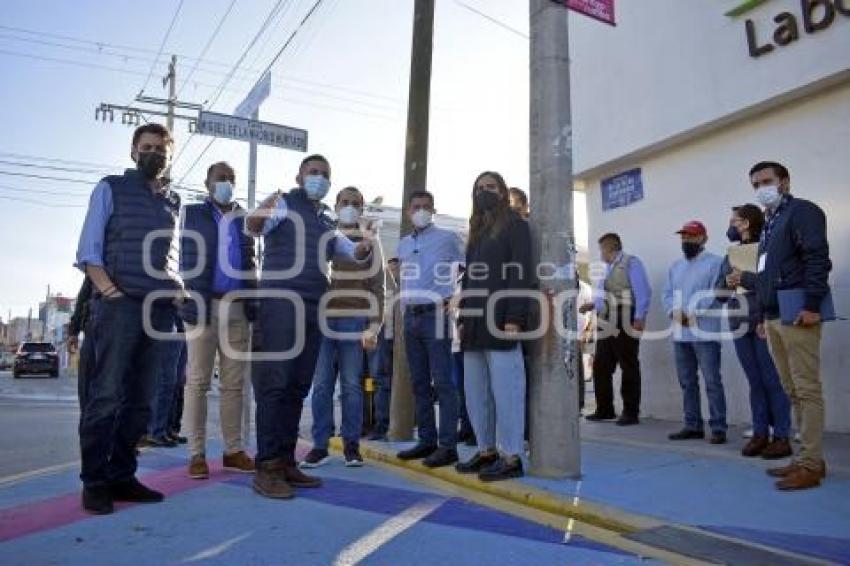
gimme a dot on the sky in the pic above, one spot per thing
(344, 78)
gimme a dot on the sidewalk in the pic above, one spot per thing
(636, 481)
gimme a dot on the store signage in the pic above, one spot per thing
(622, 190)
(815, 15)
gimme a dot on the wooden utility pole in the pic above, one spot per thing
(415, 179)
(555, 439)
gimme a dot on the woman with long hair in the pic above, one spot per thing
(498, 259)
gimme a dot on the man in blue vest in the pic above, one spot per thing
(217, 257)
(126, 214)
(300, 240)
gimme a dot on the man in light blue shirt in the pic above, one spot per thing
(429, 256)
(622, 301)
(689, 302)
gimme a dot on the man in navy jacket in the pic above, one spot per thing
(217, 258)
(794, 254)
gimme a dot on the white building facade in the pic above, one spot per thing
(687, 98)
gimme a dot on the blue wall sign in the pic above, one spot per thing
(622, 190)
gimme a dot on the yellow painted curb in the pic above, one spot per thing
(608, 518)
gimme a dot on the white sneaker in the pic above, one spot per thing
(797, 438)
(748, 433)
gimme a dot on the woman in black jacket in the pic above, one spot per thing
(498, 273)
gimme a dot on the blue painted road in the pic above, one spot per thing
(366, 515)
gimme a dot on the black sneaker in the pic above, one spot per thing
(601, 416)
(163, 442)
(133, 490)
(417, 452)
(353, 459)
(687, 434)
(97, 500)
(476, 463)
(502, 469)
(177, 438)
(315, 458)
(442, 456)
(377, 436)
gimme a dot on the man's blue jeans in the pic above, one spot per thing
(381, 370)
(280, 386)
(120, 387)
(429, 355)
(348, 355)
(705, 357)
(166, 389)
(768, 402)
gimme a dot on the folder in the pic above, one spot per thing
(744, 258)
(792, 301)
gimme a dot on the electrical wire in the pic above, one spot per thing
(47, 178)
(53, 167)
(491, 19)
(301, 25)
(162, 45)
(207, 46)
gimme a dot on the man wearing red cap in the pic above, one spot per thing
(689, 300)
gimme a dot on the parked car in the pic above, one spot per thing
(36, 357)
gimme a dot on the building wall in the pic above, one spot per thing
(701, 179)
(672, 66)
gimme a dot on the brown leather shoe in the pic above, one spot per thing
(755, 446)
(198, 469)
(786, 471)
(800, 478)
(238, 462)
(297, 478)
(270, 481)
(779, 448)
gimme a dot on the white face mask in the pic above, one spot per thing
(768, 196)
(223, 192)
(349, 215)
(422, 218)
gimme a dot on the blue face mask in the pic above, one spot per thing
(316, 186)
(733, 234)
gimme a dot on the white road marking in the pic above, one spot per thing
(9, 480)
(372, 541)
(214, 551)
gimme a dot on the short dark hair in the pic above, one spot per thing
(752, 214)
(354, 190)
(612, 239)
(220, 164)
(421, 194)
(519, 194)
(153, 128)
(314, 157)
(780, 170)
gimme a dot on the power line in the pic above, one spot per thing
(42, 203)
(51, 159)
(52, 167)
(490, 18)
(301, 25)
(207, 46)
(274, 11)
(162, 45)
(100, 48)
(42, 191)
(47, 178)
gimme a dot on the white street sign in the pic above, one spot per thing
(256, 97)
(241, 129)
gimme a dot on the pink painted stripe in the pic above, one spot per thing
(63, 510)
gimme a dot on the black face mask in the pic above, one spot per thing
(733, 234)
(150, 164)
(691, 249)
(485, 200)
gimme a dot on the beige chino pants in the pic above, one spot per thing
(202, 349)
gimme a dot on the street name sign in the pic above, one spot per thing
(242, 129)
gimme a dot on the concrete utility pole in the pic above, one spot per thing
(555, 439)
(415, 179)
(133, 115)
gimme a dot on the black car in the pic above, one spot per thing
(36, 357)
